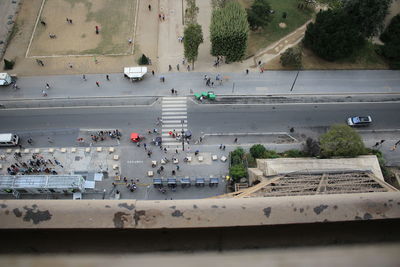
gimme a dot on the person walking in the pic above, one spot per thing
(235, 141)
(107, 77)
(98, 84)
(47, 86)
(149, 7)
(169, 67)
(152, 72)
(247, 71)
(145, 146)
(44, 93)
(177, 67)
(177, 167)
(84, 77)
(172, 91)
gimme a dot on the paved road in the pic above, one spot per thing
(64, 125)
(268, 83)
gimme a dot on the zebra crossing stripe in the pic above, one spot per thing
(173, 111)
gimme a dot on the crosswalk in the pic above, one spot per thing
(174, 112)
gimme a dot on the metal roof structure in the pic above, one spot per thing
(42, 181)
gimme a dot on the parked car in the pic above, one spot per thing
(359, 121)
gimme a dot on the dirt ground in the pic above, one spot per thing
(115, 20)
(80, 37)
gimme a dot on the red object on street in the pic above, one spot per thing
(135, 137)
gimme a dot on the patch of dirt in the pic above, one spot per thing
(282, 25)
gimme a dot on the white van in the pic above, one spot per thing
(9, 139)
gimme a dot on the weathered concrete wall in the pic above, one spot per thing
(199, 213)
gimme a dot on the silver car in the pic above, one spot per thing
(359, 121)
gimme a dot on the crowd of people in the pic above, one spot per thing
(103, 135)
(37, 164)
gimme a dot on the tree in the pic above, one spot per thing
(257, 151)
(237, 171)
(191, 12)
(341, 141)
(292, 58)
(193, 37)
(391, 48)
(8, 64)
(259, 14)
(219, 3)
(333, 35)
(229, 31)
(368, 15)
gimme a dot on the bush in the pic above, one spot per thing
(311, 148)
(341, 141)
(9, 64)
(270, 154)
(292, 58)
(251, 161)
(143, 60)
(293, 153)
(237, 172)
(259, 14)
(257, 151)
(391, 48)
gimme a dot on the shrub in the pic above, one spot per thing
(270, 154)
(293, 153)
(311, 148)
(257, 151)
(259, 14)
(237, 172)
(143, 60)
(292, 58)
(9, 64)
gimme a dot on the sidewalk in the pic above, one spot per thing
(267, 83)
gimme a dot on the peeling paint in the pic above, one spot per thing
(214, 206)
(126, 206)
(172, 207)
(17, 212)
(367, 216)
(320, 209)
(177, 213)
(3, 206)
(119, 219)
(36, 215)
(267, 211)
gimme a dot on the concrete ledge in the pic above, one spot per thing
(198, 213)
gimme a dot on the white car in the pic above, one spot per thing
(359, 121)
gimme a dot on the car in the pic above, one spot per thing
(359, 121)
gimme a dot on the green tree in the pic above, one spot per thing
(257, 151)
(341, 141)
(259, 14)
(229, 32)
(368, 15)
(191, 12)
(333, 35)
(193, 37)
(237, 156)
(219, 3)
(292, 58)
(391, 48)
(8, 64)
(143, 60)
(237, 171)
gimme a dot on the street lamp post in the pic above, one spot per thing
(182, 136)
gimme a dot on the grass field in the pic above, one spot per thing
(272, 33)
(115, 20)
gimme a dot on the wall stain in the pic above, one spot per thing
(137, 215)
(177, 213)
(214, 206)
(301, 210)
(320, 209)
(107, 206)
(119, 219)
(36, 215)
(195, 206)
(126, 206)
(3, 206)
(17, 212)
(7, 212)
(267, 212)
(357, 218)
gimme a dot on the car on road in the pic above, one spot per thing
(359, 121)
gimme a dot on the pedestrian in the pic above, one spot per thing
(173, 172)
(212, 84)
(84, 77)
(67, 20)
(152, 72)
(196, 152)
(172, 91)
(145, 146)
(149, 7)
(223, 148)
(70, 65)
(183, 61)
(98, 84)
(188, 68)
(259, 63)
(44, 93)
(235, 141)
(149, 153)
(220, 146)
(169, 67)
(107, 77)
(176, 151)
(247, 71)
(165, 150)
(43, 23)
(261, 70)
(201, 139)
(97, 29)
(177, 167)
(176, 92)
(70, 21)
(50, 140)
(159, 16)
(163, 17)
(376, 144)
(382, 141)
(177, 67)
(47, 86)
